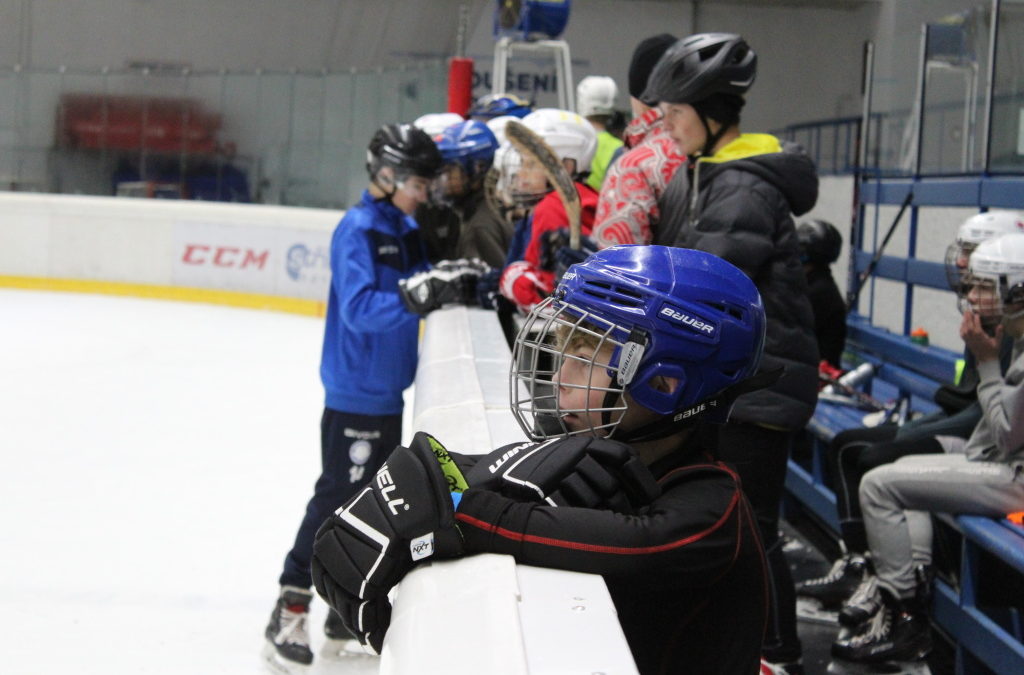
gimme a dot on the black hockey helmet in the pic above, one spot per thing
(698, 66)
(819, 241)
(405, 148)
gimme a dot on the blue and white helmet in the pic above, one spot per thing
(469, 144)
(495, 105)
(681, 314)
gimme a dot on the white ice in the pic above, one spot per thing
(155, 462)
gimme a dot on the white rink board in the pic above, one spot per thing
(157, 455)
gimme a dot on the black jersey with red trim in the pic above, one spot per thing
(686, 573)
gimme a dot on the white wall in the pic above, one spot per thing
(272, 250)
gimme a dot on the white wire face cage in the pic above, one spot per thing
(550, 338)
(990, 299)
(515, 189)
(957, 255)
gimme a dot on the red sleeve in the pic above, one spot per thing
(549, 214)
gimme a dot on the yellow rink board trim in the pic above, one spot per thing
(178, 293)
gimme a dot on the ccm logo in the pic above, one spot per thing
(387, 486)
(688, 320)
(224, 256)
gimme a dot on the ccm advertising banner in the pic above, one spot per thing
(270, 260)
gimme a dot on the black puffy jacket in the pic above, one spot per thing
(739, 204)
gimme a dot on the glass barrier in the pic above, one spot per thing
(295, 138)
(1006, 149)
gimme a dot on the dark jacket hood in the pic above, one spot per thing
(782, 163)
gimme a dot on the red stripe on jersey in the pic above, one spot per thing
(597, 548)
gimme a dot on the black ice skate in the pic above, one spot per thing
(838, 585)
(863, 604)
(897, 632)
(287, 647)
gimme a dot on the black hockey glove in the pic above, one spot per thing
(582, 471)
(404, 515)
(555, 254)
(487, 292)
(448, 282)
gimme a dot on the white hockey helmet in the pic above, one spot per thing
(435, 123)
(595, 95)
(976, 229)
(497, 126)
(994, 283)
(568, 134)
(507, 163)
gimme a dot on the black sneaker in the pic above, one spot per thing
(836, 586)
(334, 629)
(863, 604)
(892, 634)
(287, 638)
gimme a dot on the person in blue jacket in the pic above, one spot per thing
(369, 359)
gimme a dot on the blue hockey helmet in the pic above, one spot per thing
(469, 144)
(495, 105)
(668, 315)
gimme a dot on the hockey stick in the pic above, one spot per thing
(529, 144)
(854, 296)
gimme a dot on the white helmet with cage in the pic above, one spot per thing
(595, 95)
(993, 286)
(972, 232)
(568, 134)
(507, 162)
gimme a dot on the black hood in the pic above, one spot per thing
(791, 171)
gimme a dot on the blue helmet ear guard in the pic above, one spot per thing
(469, 144)
(686, 329)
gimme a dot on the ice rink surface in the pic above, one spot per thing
(155, 461)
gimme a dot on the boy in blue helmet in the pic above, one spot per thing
(637, 345)
(467, 149)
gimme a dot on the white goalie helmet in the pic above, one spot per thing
(972, 232)
(568, 134)
(595, 95)
(993, 285)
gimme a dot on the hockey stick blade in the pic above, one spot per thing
(528, 143)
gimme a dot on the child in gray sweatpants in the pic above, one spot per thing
(983, 475)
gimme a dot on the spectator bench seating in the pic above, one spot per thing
(979, 608)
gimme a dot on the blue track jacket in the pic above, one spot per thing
(369, 355)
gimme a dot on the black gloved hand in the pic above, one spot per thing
(578, 471)
(557, 256)
(448, 282)
(487, 285)
(404, 515)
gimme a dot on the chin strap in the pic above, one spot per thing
(711, 138)
(715, 410)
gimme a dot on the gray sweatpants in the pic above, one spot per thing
(897, 497)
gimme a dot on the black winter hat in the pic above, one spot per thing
(645, 56)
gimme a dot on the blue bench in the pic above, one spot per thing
(988, 639)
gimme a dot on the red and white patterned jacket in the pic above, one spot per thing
(627, 210)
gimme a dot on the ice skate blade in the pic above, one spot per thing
(345, 650)
(809, 609)
(276, 664)
(841, 667)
